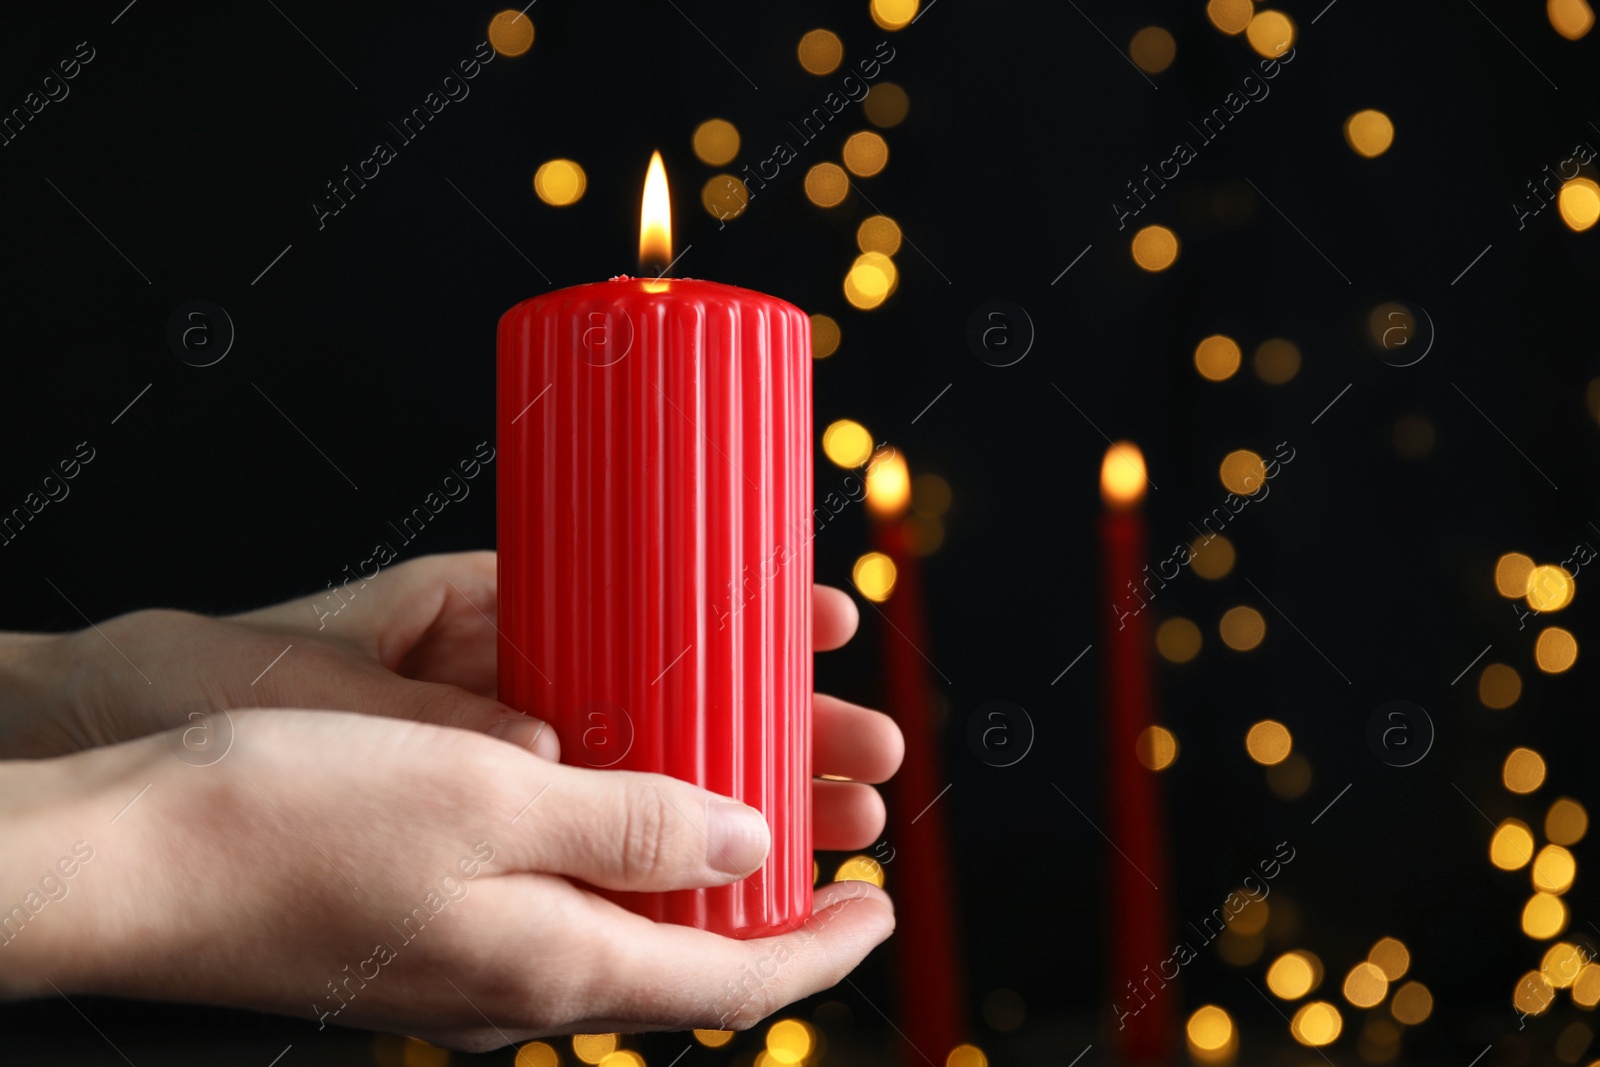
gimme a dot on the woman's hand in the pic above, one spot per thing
(417, 642)
(398, 876)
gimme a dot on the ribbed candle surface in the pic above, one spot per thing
(655, 482)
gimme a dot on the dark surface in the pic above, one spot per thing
(199, 136)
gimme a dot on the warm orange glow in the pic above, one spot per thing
(655, 216)
(1122, 476)
(888, 484)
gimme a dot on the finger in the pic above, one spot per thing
(445, 705)
(845, 815)
(834, 617)
(646, 832)
(387, 610)
(669, 976)
(850, 741)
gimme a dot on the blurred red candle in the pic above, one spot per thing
(655, 487)
(1140, 935)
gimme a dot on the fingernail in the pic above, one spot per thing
(525, 731)
(736, 837)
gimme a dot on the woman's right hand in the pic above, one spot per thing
(393, 875)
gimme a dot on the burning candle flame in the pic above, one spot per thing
(655, 218)
(1122, 475)
(888, 484)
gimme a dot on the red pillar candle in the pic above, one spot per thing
(932, 995)
(1140, 933)
(655, 483)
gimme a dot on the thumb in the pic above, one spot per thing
(445, 705)
(646, 832)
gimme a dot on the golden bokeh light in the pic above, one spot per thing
(930, 496)
(1157, 748)
(1277, 361)
(826, 184)
(592, 1048)
(1217, 358)
(847, 443)
(866, 286)
(1291, 976)
(1511, 847)
(1242, 472)
(560, 182)
(821, 51)
(789, 1040)
(1391, 326)
(1240, 950)
(1155, 248)
(1523, 771)
(865, 153)
(415, 1052)
(874, 575)
(888, 484)
(966, 1056)
(1318, 1023)
(1412, 1004)
(1579, 203)
(1511, 574)
(725, 197)
(878, 233)
(623, 1057)
(1212, 557)
(1572, 19)
(1230, 16)
(1369, 133)
(1242, 628)
(860, 868)
(825, 336)
(1413, 437)
(1290, 779)
(537, 1054)
(1561, 964)
(1566, 822)
(1586, 987)
(1365, 986)
(886, 105)
(1544, 916)
(1210, 1030)
(923, 535)
(715, 1038)
(1152, 49)
(716, 142)
(1550, 587)
(1250, 919)
(1390, 956)
(511, 33)
(1379, 1041)
(1591, 398)
(1554, 869)
(1270, 33)
(1533, 994)
(1178, 640)
(893, 14)
(1499, 686)
(1556, 650)
(1268, 742)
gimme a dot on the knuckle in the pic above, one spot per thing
(644, 857)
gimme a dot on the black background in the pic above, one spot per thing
(198, 137)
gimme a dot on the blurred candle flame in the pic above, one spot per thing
(888, 484)
(1122, 475)
(655, 217)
